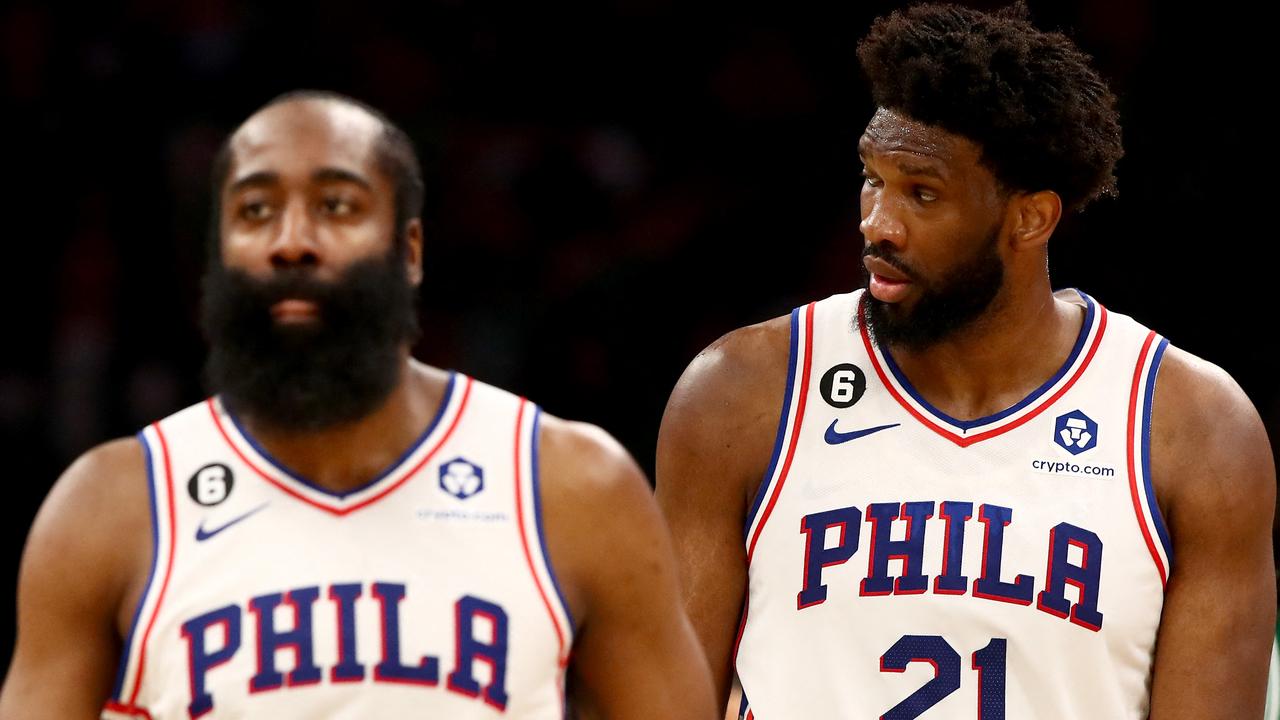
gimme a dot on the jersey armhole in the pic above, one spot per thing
(1138, 452)
(532, 534)
(159, 487)
(784, 420)
(535, 477)
(792, 416)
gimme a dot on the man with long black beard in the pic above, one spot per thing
(957, 493)
(342, 531)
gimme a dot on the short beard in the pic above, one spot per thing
(945, 307)
(318, 375)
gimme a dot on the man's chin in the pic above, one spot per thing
(897, 312)
(313, 389)
(296, 335)
(884, 320)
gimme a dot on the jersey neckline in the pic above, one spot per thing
(274, 471)
(967, 432)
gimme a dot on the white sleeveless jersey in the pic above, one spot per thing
(904, 564)
(426, 593)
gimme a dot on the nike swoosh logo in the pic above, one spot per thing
(202, 534)
(835, 437)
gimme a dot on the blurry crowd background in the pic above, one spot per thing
(612, 185)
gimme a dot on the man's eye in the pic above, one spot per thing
(874, 182)
(926, 195)
(255, 211)
(338, 206)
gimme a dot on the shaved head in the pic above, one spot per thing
(353, 127)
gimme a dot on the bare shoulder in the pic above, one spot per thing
(1215, 482)
(584, 458)
(741, 366)
(83, 563)
(103, 474)
(597, 507)
(723, 412)
(586, 475)
(95, 522)
(714, 445)
(1209, 445)
(634, 653)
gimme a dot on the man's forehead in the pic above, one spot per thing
(890, 131)
(301, 133)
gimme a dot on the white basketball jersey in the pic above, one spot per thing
(903, 563)
(425, 593)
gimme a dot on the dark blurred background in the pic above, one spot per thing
(612, 185)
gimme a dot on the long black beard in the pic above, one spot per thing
(314, 376)
(946, 306)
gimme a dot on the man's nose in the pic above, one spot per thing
(881, 222)
(295, 242)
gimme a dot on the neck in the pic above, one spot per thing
(999, 359)
(345, 457)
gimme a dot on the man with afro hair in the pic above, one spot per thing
(958, 493)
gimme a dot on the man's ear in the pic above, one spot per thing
(1034, 216)
(413, 251)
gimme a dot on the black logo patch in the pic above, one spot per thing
(843, 385)
(211, 484)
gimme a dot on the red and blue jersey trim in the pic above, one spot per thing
(801, 358)
(298, 477)
(781, 436)
(162, 544)
(774, 488)
(343, 503)
(563, 631)
(962, 432)
(535, 476)
(561, 634)
(1161, 531)
(1138, 452)
(121, 671)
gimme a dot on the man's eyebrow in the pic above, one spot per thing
(257, 179)
(927, 170)
(904, 167)
(328, 174)
(332, 174)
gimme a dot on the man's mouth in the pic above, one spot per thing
(294, 310)
(888, 284)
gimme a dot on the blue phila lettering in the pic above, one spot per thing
(348, 668)
(909, 550)
(1080, 568)
(951, 582)
(427, 671)
(270, 640)
(818, 556)
(1085, 577)
(471, 650)
(199, 658)
(481, 632)
(989, 586)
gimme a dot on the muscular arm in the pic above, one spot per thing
(713, 448)
(634, 654)
(76, 572)
(1214, 473)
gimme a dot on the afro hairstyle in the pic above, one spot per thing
(1041, 115)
